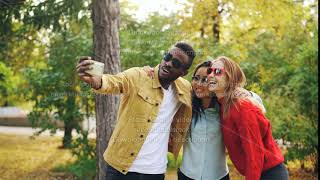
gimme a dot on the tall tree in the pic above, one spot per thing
(54, 89)
(106, 22)
(26, 27)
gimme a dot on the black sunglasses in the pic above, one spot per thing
(176, 63)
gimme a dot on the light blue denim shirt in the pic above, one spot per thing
(258, 98)
(204, 156)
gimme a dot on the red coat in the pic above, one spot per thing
(248, 138)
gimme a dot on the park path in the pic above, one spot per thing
(28, 131)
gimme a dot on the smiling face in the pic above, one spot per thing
(168, 69)
(217, 78)
(199, 83)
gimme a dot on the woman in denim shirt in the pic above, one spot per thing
(204, 156)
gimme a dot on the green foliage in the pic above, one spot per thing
(304, 83)
(6, 85)
(84, 150)
(288, 75)
(22, 24)
(24, 28)
(84, 167)
(144, 43)
(53, 14)
(55, 89)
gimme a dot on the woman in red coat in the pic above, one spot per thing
(246, 131)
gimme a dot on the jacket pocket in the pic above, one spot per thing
(146, 97)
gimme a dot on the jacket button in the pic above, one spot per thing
(157, 104)
(132, 154)
(149, 120)
(141, 136)
(147, 98)
(123, 170)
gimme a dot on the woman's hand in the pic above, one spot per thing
(241, 93)
(149, 70)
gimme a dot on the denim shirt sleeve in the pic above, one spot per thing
(258, 98)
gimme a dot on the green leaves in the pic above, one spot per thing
(6, 83)
(55, 88)
(144, 43)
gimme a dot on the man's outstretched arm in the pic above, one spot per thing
(107, 83)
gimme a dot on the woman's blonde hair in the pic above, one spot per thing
(235, 79)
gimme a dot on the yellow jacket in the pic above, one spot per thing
(139, 106)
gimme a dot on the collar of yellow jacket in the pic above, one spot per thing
(178, 82)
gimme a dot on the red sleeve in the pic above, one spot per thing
(251, 142)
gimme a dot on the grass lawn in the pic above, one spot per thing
(34, 159)
(24, 158)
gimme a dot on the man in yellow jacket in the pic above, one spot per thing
(153, 118)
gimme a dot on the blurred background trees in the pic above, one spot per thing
(275, 42)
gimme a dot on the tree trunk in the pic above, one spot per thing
(70, 122)
(216, 24)
(216, 28)
(67, 138)
(106, 19)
